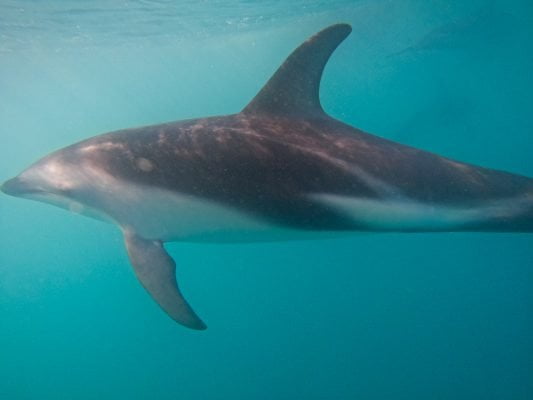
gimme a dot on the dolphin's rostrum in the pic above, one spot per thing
(280, 169)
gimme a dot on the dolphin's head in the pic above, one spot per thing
(55, 179)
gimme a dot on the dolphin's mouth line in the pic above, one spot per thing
(16, 187)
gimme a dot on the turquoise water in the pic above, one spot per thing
(420, 316)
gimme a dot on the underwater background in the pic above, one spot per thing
(388, 316)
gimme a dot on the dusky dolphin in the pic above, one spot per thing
(280, 169)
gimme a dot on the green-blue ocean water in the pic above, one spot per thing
(392, 316)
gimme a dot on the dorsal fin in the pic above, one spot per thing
(294, 88)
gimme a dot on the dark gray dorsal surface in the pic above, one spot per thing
(294, 88)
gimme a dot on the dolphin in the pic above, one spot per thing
(280, 169)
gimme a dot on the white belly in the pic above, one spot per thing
(155, 213)
(160, 214)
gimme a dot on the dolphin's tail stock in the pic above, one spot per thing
(524, 211)
(516, 216)
(527, 221)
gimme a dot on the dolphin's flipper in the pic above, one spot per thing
(294, 88)
(156, 270)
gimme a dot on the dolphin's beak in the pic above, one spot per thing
(16, 187)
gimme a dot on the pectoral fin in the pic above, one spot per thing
(156, 270)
